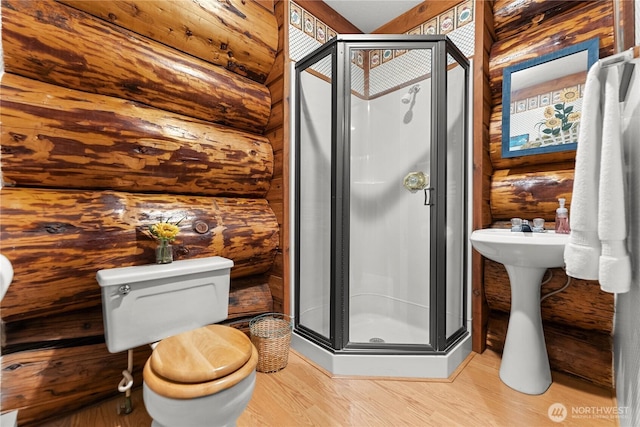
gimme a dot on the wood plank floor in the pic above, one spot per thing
(304, 395)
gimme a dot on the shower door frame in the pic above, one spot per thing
(339, 50)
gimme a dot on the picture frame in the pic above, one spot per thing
(545, 99)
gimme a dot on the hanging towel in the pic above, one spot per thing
(615, 265)
(597, 247)
(582, 253)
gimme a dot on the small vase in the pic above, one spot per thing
(164, 253)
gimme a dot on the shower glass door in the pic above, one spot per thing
(389, 223)
(380, 195)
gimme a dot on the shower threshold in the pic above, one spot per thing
(432, 366)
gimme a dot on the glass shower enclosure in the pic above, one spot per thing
(380, 195)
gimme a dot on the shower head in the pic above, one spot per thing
(412, 91)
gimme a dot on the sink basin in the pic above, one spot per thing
(542, 250)
(526, 257)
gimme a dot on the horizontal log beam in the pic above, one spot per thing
(530, 192)
(46, 330)
(57, 240)
(249, 297)
(512, 17)
(43, 383)
(62, 138)
(54, 43)
(241, 36)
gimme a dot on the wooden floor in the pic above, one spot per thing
(304, 395)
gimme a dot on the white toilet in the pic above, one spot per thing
(197, 375)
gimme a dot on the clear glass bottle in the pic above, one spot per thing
(562, 218)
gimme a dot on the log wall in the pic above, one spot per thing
(84, 140)
(482, 167)
(577, 322)
(217, 32)
(116, 115)
(57, 44)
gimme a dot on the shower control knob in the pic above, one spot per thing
(415, 181)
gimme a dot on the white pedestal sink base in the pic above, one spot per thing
(525, 363)
(526, 256)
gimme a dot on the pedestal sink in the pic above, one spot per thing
(526, 256)
(8, 419)
(6, 275)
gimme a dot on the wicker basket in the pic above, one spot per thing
(271, 334)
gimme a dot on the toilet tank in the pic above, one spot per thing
(144, 304)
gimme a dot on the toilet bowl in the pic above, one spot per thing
(199, 374)
(210, 367)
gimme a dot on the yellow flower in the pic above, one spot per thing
(574, 117)
(553, 123)
(549, 112)
(165, 231)
(569, 95)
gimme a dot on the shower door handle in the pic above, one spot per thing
(427, 196)
(415, 181)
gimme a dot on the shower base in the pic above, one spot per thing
(386, 365)
(380, 328)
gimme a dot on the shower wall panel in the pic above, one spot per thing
(315, 203)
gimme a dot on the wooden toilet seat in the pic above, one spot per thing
(200, 362)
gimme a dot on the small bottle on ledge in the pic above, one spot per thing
(562, 218)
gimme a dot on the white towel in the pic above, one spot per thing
(615, 265)
(597, 248)
(581, 255)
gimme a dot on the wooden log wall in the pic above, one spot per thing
(577, 322)
(57, 44)
(482, 167)
(116, 115)
(124, 146)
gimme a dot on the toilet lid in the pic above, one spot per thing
(202, 354)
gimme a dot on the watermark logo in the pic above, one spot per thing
(557, 412)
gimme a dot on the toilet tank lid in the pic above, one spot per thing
(139, 273)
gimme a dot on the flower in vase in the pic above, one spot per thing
(165, 231)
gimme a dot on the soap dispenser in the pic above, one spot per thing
(562, 218)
